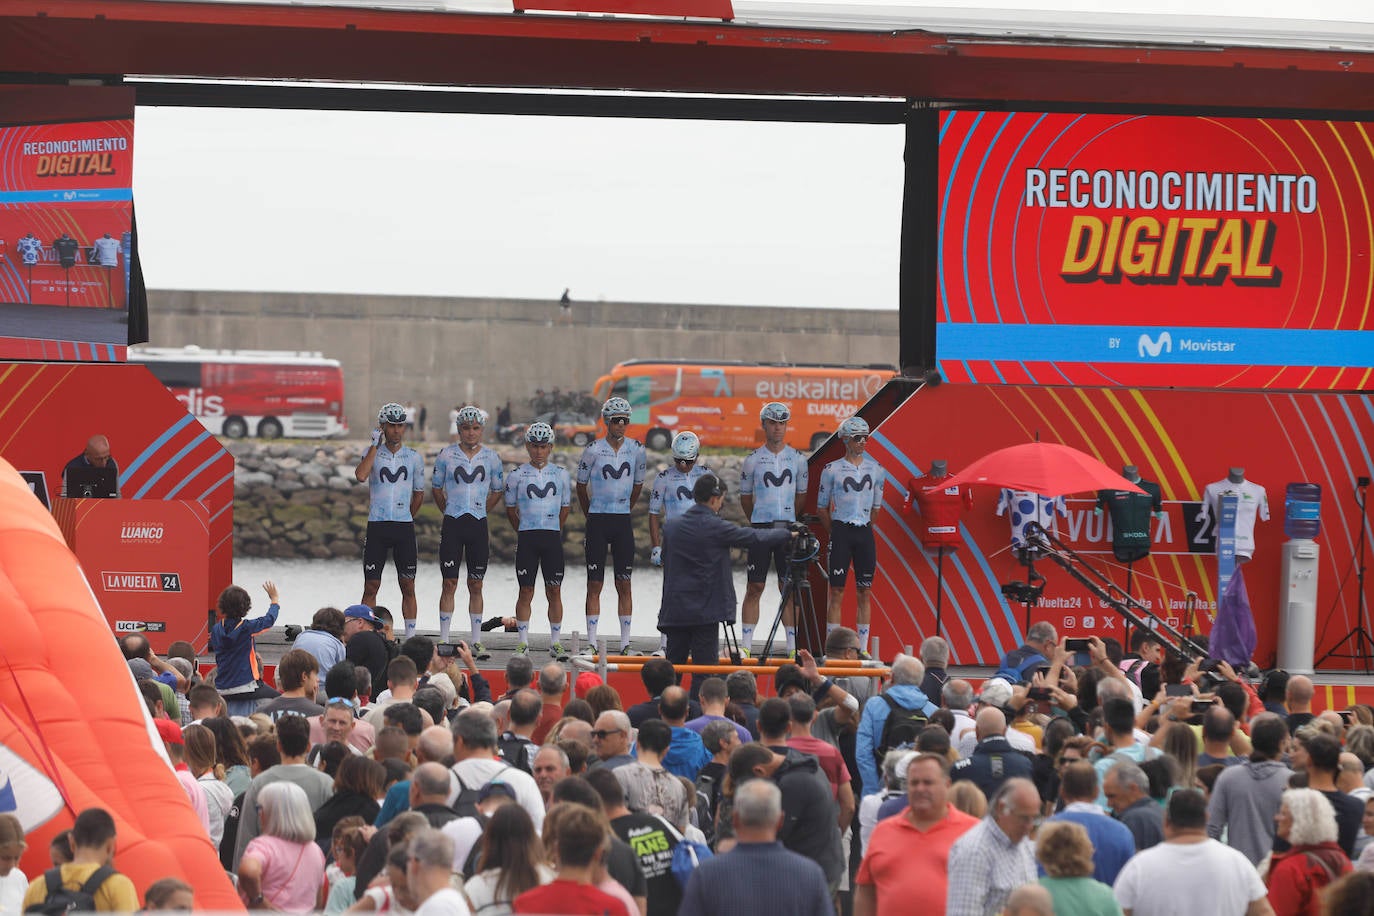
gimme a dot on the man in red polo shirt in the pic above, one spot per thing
(904, 867)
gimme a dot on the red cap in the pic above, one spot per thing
(169, 730)
(586, 681)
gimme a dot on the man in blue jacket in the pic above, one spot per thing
(905, 691)
(698, 587)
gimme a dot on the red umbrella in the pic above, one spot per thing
(1046, 468)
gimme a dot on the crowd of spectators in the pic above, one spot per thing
(1069, 791)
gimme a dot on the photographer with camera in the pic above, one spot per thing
(698, 586)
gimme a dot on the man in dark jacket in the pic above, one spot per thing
(698, 587)
(993, 760)
(810, 824)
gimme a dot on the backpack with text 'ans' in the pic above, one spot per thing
(900, 728)
(60, 901)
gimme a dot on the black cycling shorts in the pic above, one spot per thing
(616, 532)
(463, 536)
(396, 539)
(536, 550)
(759, 557)
(852, 543)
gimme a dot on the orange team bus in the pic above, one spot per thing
(264, 393)
(720, 401)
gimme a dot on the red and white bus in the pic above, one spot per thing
(264, 393)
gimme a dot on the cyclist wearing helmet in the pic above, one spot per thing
(538, 495)
(609, 478)
(671, 495)
(850, 494)
(468, 482)
(395, 477)
(772, 489)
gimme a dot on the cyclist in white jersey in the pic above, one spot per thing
(538, 495)
(772, 489)
(670, 496)
(468, 482)
(609, 479)
(395, 477)
(849, 496)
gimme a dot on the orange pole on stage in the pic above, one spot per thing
(761, 670)
(770, 662)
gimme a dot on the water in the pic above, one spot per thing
(308, 585)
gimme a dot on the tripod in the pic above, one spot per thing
(1361, 643)
(798, 592)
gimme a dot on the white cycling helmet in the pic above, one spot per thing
(391, 413)
(470, 415)
(775, 410)
(539, 432)
(686, 446)
(615, 407)
(854, 426)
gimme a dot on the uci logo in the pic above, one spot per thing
(1153, 347)
(548, 489)
(858, 486)
(460, 475)
(784, 478)
(607, 472)
(389, 476)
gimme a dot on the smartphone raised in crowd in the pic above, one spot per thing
(1077, 645)
(446, 650)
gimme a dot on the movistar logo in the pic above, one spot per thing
(1164, 343)
(548, 489)
(607, 472)
(784, 478)
(863, 483)
(461, 475)
(684, 492)
(392, 476)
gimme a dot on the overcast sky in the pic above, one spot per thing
(702, 212)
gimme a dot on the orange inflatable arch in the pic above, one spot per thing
(74, 732)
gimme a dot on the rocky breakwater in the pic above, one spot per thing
(294, 500)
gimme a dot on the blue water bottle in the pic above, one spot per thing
(1302, 510)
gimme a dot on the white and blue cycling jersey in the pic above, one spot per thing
(394, 477)
(672, 492)
(775, 481)
(1027, 507)
(540, 495)
(29, 249)
(850, 491)
(611, 475)
(468, 481)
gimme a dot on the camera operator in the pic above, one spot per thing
(698, 586)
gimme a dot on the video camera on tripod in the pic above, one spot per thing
(805, 545)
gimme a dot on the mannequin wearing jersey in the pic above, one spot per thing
(1252, 502)
(939, 507)
(1130, 513)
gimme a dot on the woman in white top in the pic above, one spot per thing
(511, 861)
(200, 757)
